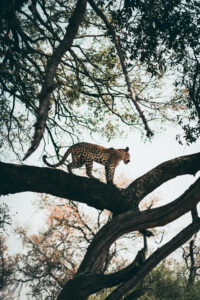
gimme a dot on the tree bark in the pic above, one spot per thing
(22, 178)
(124, 202)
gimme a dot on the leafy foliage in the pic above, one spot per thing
(165, 283)
(7, 264)
(165, 35)
(91, 93)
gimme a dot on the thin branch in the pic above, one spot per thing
(99, 91)
(133, 96)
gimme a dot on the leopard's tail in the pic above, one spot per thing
(44, 158)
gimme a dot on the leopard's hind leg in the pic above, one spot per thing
(89, 165)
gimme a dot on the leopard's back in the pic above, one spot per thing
(90, 152)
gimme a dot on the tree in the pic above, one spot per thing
(89, 278)
(5, 218)
(7, 269)
(191, 258)
(53, 256)
(42, 62)
(168, 283)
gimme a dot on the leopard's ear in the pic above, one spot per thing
(127, 149)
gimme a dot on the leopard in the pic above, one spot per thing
(86, 154)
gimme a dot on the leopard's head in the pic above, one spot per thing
(126, 155)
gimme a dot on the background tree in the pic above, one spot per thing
(7, 270)
(5, 218)
(168, 282)
(49, 70)
(191, 258)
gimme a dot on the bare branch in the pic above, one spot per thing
(162, 173)
(87, 281)
(94, 283)
(194, 214)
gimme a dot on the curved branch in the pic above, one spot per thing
(131, 221)
(49, 85)
(93, 283)
(16, 179)
(87, 279)
(147, 183)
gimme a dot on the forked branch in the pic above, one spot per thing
(89, 280)
(131, 221)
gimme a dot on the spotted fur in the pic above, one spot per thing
(86, 154)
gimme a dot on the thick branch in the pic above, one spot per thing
(92, 283)
(112, 32)
(87, 281)
(49, 84)
(17, 178)
(131, 221)
(147, 183)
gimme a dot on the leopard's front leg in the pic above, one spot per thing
(110, 170)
